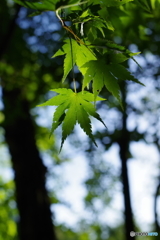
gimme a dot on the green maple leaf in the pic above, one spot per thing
(99, 73)
(107, 75)
(92, 27)
(121, 73)
(146, 5)
(73, 108)
(105, 15)
(117, 49)
(75, 53)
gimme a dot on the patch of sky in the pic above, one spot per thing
(1, 103)
(56, 36)
(53, 27)
(22, 13)
(148, 31)
(73, 197)
(153, 59)
(43, 49)
(112, 118)
(38, 18)
(6, 171)
(45, 21)
(38, 32)
(73, 85)
(32, 40)
(141, 92)
(24, 24)
(76, 70)
(145, 172)
(44, 111)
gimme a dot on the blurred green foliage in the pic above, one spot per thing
(8, 211)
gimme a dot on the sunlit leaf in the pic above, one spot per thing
(73, 108)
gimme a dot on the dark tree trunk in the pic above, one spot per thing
(35, 221)
(123, 143)
(32, 200)
(6, 39)
(157, 227)
(129, 226)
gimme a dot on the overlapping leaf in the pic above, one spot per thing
(107, 75)
(104, 14)
(119, 52)
(100, 74)
(106, 44)
(95, 69)
(75, 53)
(73, 108)
(92, 27)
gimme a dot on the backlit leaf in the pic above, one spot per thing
(73, 108)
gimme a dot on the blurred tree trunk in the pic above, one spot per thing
(35, 221)
(32, 200)
(123, 142)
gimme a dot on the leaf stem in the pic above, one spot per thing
(74, 82)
